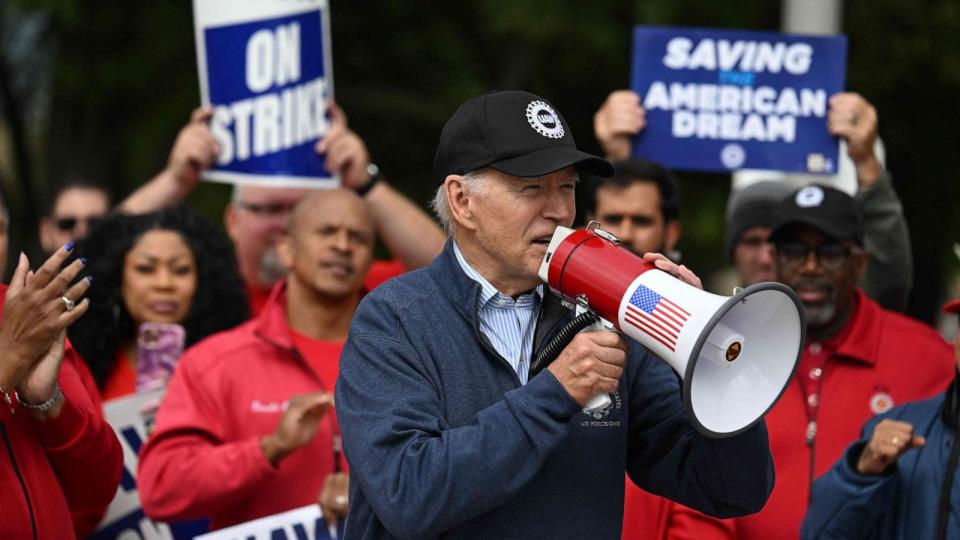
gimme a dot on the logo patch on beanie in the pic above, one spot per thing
(809, 197)
(544, 120)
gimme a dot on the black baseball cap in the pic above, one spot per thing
(829, 210)
(514, 132)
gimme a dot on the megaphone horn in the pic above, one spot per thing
(735, 354)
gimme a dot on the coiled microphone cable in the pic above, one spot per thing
(563, 338)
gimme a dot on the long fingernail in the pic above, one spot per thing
(68, 247)
(83, 261)
(89, 279)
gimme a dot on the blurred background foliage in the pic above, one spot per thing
(100, 88)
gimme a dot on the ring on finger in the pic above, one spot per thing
(68, 304)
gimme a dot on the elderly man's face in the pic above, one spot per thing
(513, 220)
(824, 272)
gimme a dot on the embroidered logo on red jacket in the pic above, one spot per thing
(881, 402)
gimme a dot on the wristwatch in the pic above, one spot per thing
(375, 176)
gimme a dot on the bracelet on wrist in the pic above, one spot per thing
(46, 405)
(375, 176)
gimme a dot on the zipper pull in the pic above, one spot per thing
(811, 432)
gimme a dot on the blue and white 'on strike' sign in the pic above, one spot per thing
(720, 100)
(265, 67)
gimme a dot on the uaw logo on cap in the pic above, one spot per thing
(809, 197)
(543, 119)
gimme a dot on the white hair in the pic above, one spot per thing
(472, 183)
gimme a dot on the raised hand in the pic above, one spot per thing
(194, 151)
(855, 120)
(620, 117)
(37, 309)
(345, 152)
(890, 440)
(297, 426)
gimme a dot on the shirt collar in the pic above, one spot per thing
(488, 292)
(859, 339)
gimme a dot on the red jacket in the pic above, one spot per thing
(204, 458)
(57, 477)
(879, 359)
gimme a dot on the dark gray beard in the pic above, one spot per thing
(270, 269)
(820, 314)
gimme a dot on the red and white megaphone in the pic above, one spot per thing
(735, 354)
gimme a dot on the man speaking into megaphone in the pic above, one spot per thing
(446, 430)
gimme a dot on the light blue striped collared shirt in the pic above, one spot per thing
(509, 324)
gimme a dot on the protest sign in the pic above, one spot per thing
(720, 100)
(266, 69)
(304, 523)
(131, 418)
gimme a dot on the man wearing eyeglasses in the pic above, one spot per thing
(75, 207)
(859, 360)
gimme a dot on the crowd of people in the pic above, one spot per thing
(400, 394)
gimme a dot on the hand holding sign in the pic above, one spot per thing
(194, 151)
(620, 117)
(298, 425)
(854, 119)
(346, 154)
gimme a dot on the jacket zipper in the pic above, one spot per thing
(23, 485)
(486, 343)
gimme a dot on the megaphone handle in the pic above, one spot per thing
(597, 403)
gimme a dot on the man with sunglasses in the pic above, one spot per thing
(75, 206)
(858, 360)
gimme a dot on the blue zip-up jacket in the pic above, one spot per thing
(901, 503)
(444, 441)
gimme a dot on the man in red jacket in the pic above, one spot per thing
(60, 463)
(858, 360)
(246, 428)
